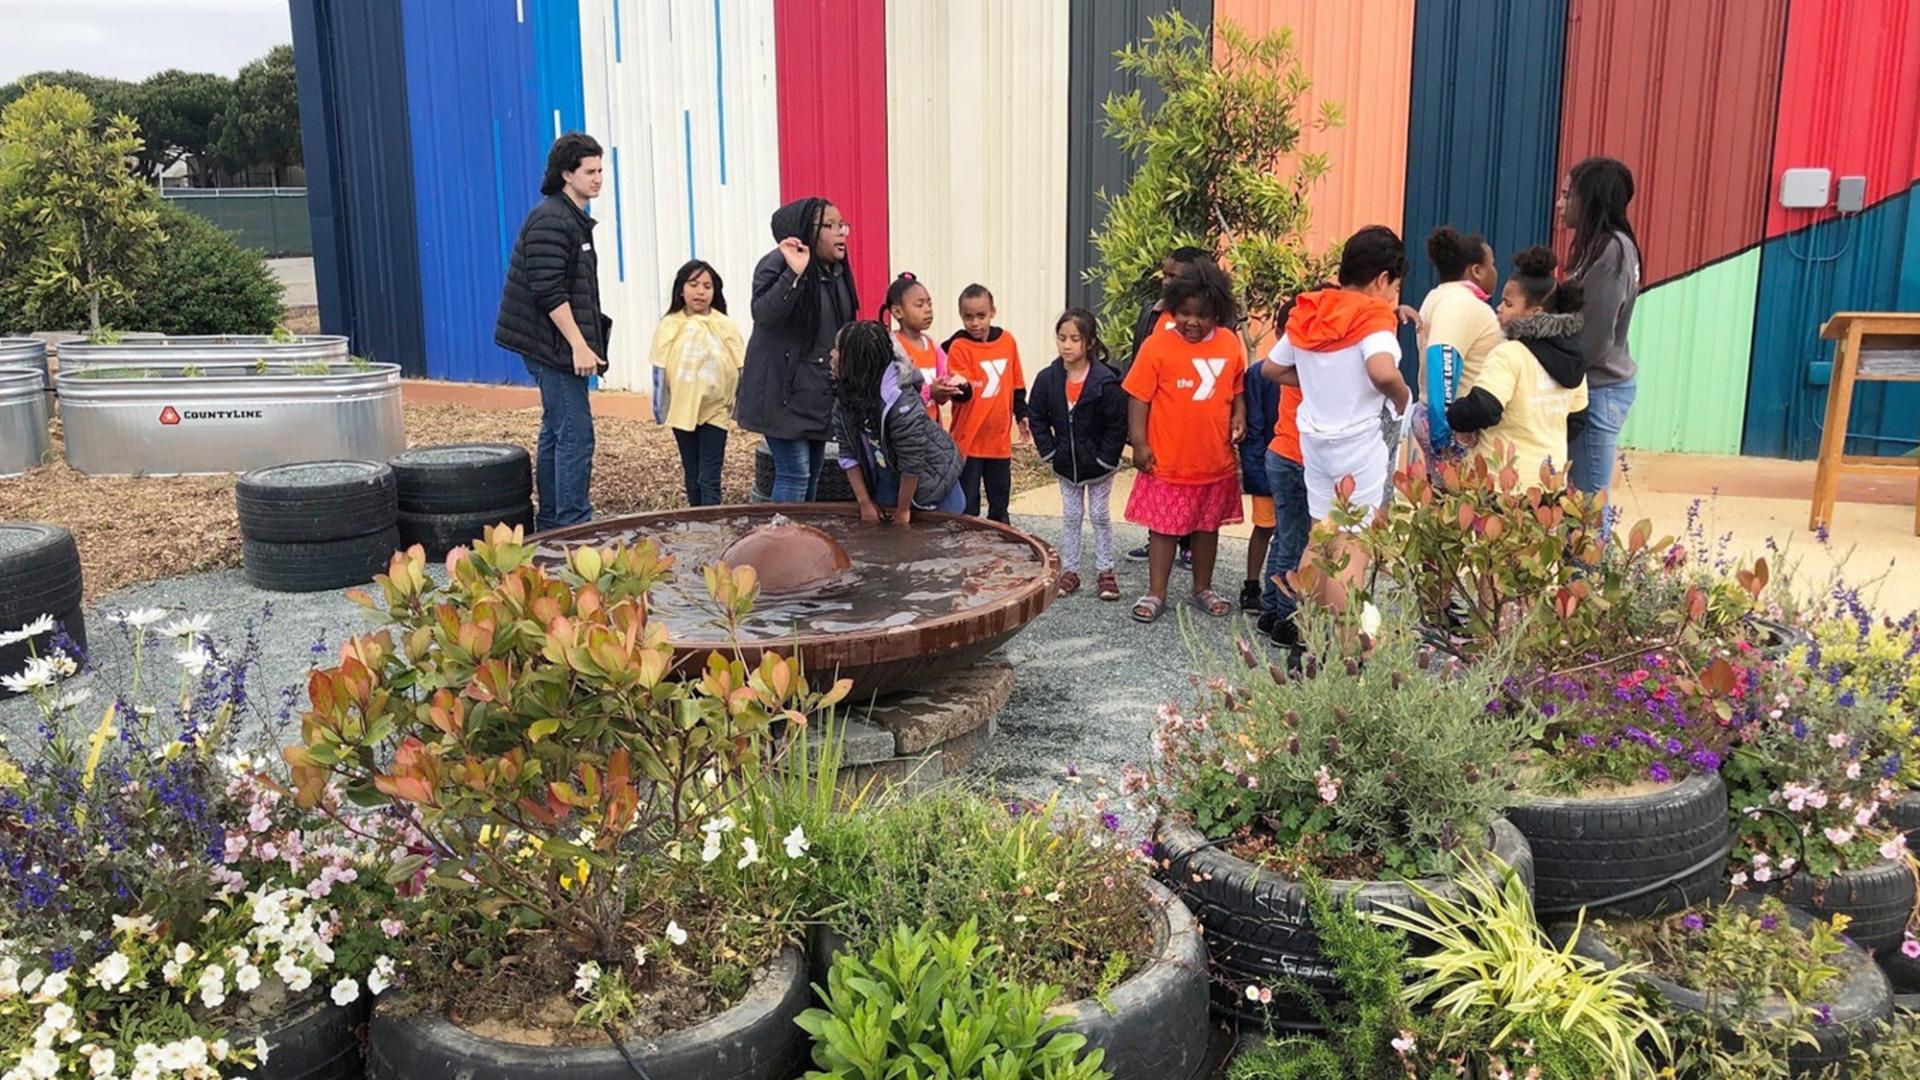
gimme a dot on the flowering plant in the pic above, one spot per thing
(1857, 660)
(1732, 949)
(1355, 770)
(156, 894)
(533, 720)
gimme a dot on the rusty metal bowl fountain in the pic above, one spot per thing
(889, 608)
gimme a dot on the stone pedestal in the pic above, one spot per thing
(921, 737)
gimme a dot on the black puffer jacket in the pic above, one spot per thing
(1082, 443)
(554, 262)
(908, 440)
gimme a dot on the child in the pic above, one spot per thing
(910, 306)
(900, 454)
(697, 354)
(991, 399)
(1263, 408)
(1530, 383)
(1341, 349)
(1079, 414)
(1185, 420)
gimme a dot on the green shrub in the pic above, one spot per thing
(927, 1005)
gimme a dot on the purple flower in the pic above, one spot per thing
(1769, 922)
(1847, 700)
(1674, 746)
(1110, 821)
(1149, 849)
(1693, 922)
(1823, 1013)
(1799, 729)
(1890, 767)
(1705, 761)
(1015, 808)
(1659, 773)
(1589, 741)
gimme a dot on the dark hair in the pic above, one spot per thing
(1208, 282)
(866, 351)
(896, 293)
(1373, 251)
(801, 220)
(1084, 321)
(975, 291)
(1453, 253)
(1601, 189)
(685, 274)
(568, 152)
(1188, 255)
(1533, 275)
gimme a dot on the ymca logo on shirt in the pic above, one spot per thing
(1209, 371)
(995, 369)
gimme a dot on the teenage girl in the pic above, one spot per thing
(990, 402)
(1186, 420)
(1079, 414)
(1530, 383)
(910, 306)
(697, 353)
(895, 454)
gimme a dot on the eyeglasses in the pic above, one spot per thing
(839, 227)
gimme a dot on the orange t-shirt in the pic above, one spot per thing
(1286, 426)
(983, 424)
(1074, 386)
(925, 356)
(1190, 389)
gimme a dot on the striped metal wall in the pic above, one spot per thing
(962, 139)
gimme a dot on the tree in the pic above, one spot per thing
(73, 221)
(261, 123)
(1210, 176)
(108, 96)
(177, 111)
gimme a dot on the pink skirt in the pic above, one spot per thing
(1172, 509)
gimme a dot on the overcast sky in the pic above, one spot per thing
(132, 39)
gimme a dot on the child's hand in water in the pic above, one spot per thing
(869, 513)
(902, 517)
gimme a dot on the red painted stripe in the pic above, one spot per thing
(830, 57)
(1849, 99)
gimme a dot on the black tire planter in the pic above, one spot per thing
(311, 501)
(833, 486)
(1901, 971)
(756, 1039)
(316, 1040)
(461, 478)
(39, 573)
(1632, 855)
(1863, 1004)
(1877, 898)
(1904, 814)
(1259, 929)
(330, 564)
(441, 533)
(1158, 1029)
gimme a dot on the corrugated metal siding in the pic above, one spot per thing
(977, 102)
(479, 151)
(832, 70)
(1683, 91)
(556, 62)
(1358, 53)
(1484, 131)
(1692, 338)
(1870, 262)
(1094, 163)
(684, 95)
(348, 61)
(1849, 100)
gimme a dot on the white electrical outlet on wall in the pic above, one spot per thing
(1806, 189)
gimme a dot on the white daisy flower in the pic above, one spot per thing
(194, 659)
(41, 625)
(797, 843)
(676, 935)
(190, 627)
(140, 618)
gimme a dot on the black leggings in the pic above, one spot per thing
(703, 452)
(997, 475)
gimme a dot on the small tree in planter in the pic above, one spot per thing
(561, 769)
(1210, 161)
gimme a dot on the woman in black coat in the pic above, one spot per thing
(802, 295)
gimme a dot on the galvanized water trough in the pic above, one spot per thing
(176, 416)
(205, 349)
(23, 420)
(27, 354)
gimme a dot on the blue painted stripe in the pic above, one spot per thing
(686, 133)
(720, 91)
(619, 222)
(617, 58)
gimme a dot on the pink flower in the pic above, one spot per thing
(1762, 874)
(1328, 784)
(1837, 740)
(1739, 879)
(1839, 837)
(1404, 1043)
(393, 928)
(1863, 817)
(1910, 948)
(1894, 849)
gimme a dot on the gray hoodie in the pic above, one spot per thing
(1612, 283)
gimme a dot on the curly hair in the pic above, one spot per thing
(568, 152)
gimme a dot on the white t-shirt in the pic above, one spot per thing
(1337, 398)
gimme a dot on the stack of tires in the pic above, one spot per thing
(316, 525)
(833, 485)
(450, 494)
(1629, 856)
(39, 576)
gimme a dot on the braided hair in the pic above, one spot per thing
(866, 351)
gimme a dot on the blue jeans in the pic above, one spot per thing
(702, 452)
(887, 494)
(1288, 482)
(563, 469)
(796, 468)
(1593, 452)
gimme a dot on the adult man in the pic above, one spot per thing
(550, 314)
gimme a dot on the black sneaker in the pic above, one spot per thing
(1185, 560)
(1285, 634)
(1249, 596)
(1138, 554)
(1264, 624)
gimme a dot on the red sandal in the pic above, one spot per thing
(1069, 583)
(1109, 586)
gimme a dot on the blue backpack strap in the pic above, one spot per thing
(1442, 385)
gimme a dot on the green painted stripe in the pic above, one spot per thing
(1693, 339)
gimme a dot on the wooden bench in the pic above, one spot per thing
(1874, 346)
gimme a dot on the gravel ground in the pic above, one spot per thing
(1087, 678)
